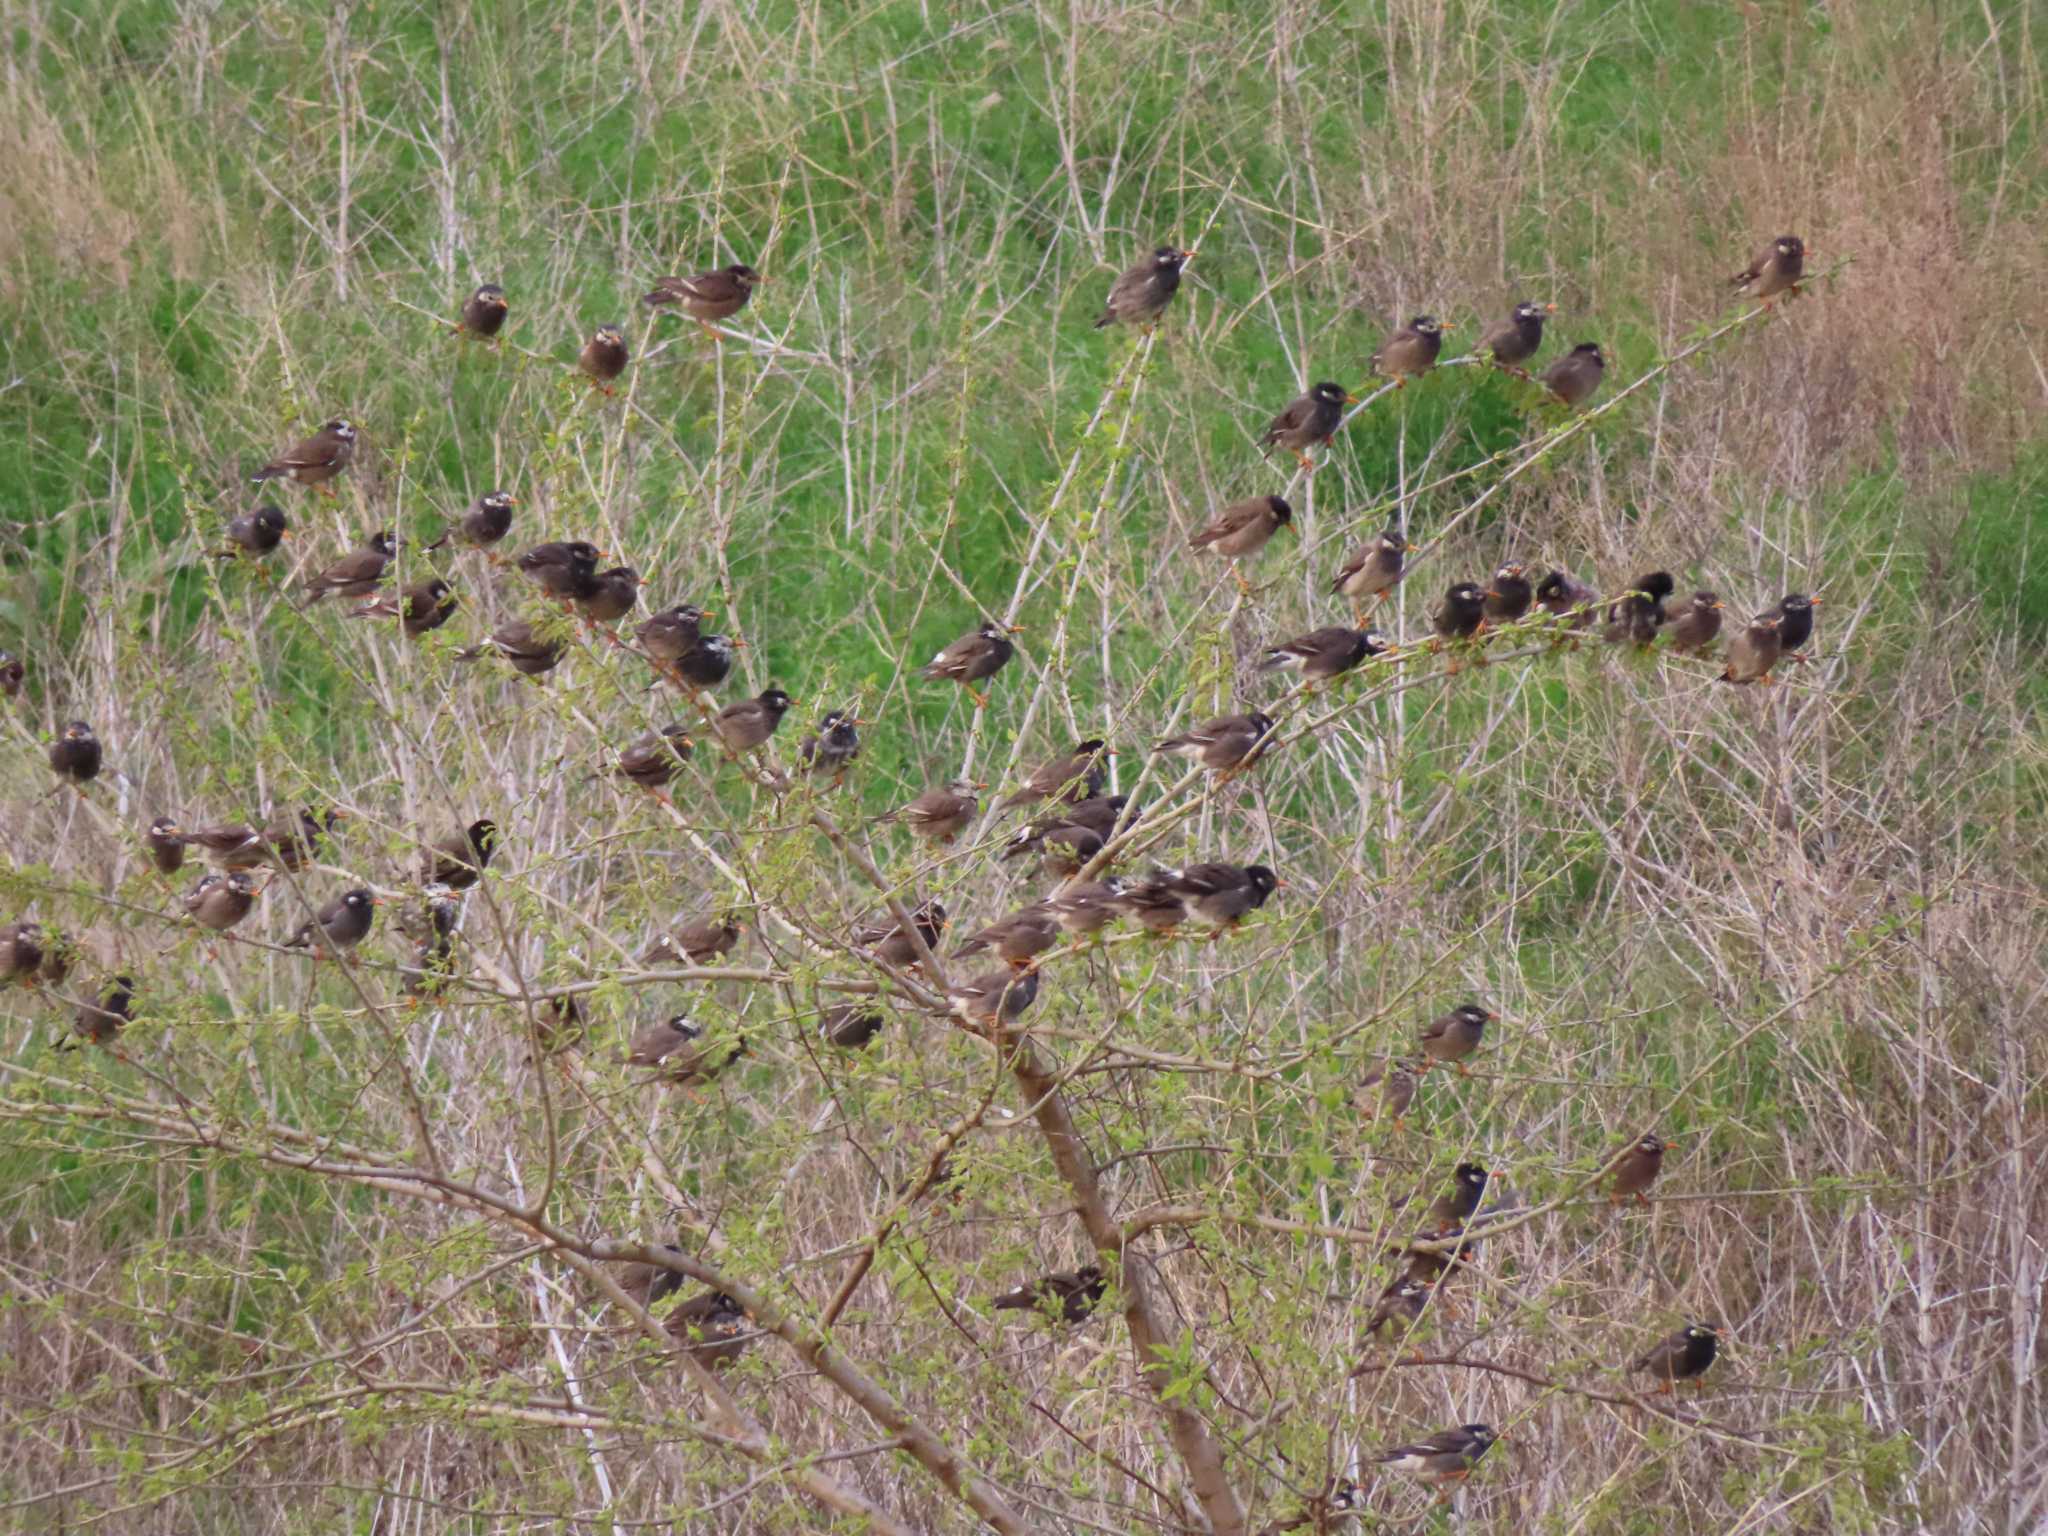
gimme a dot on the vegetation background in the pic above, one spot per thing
(306, 1260)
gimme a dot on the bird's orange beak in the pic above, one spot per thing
(1015, 629)
(1352, 400)
(1814, 601)
(1550, 309)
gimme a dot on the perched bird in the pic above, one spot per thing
(316, 459)
(1517, 338)
(1635, 617)
(1753, 653)
(891, 945)
(748, 724)
(1087, 907)
(1682, 1355)
(709, 296)
(1453, 1208)
(1070, 1294)
(1445, 1456)
(1373, 571)
(671, 1047)
(430, 928)
(566, 570)
(458, 860)
(75, 755)
(559, 1024)
(1073, 832)
(1638, 1168)
(12, 675)
(483, 312)
(530, 652)
(294, 842)
(1698, 622)
(1795, 620)
(941, 815)
(973, 658)
(697, 940)
(1453, 1036)
(166, 845)
(1243, 527)
(835, 746)
(1155, 904)
(994, 998)
(1460, 614)
(1574, 377)
(1400, 1305)
(1310, 420)
(342, 924)
(1223, 744)
(850, 1026)
(667, 636)
(1221, 895)
(254, 534)
(648, 1284)
(486, 522)
(1018, 939)
(1775, 269)
(610, 596)
(59, 950)
(1509, 595)
(1411, 351)
(356, 574)
(1388, 1088)
(1075, 776)
(604, 357)
(1570, 599)
(99, 1019)
(712, 1328)
(709, 661)
(219, 902)
(419, 608)
(1322, 654)
(1141, 295)
(237, 845)
(651, 760)
(21, 952)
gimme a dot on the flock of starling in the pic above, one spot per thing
(1073, 820)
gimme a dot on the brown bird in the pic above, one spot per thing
(429, 928)
(1574, 377)
(1775, 269)
(356, 574)
(709, 296)
(1517, 338)
(671, 634)
(21, 952)
(748, 724)
(1222, 744)
(316, 459)
(850, 1026)
(254, 534)
(890, 944)
(1445, 1457)
(564, 569)
(531, 653)
(1411, 351)
(459, 859)
(1461, 613)
(218, 902)
(1794, 614)
(1220, 895)
(697, 940)
(712, 1328)
(993, 999)
(12, 675)
(1088, 906)
(75, 756)
(487, 521)
(941, 815)
(483, 313)
(1638, 1167)
(1635, 617)
(671, 1047)
(1453, 1036)
(294, 842)
(1141, 294)
(1373, 571)
(1400, 1305)
(166, 845)
(1068, 1294)
(973, 658)
(604, 357)
(59, 950)
(101, 1018)
(1683, 1355)
(1509, 595)
(1243, 527)
(1322, 654)
(1568, 598)
(1698, 622)
(1753, 653)
(1018, 939)
(1075, 776)
(342, 924)
(833, 747)
(1455, 1206)
(1395, 1081)
(648, 1284)
(419, 608)
(1310, 420)
(651, 760)
(1072, 834)
(610, 596)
